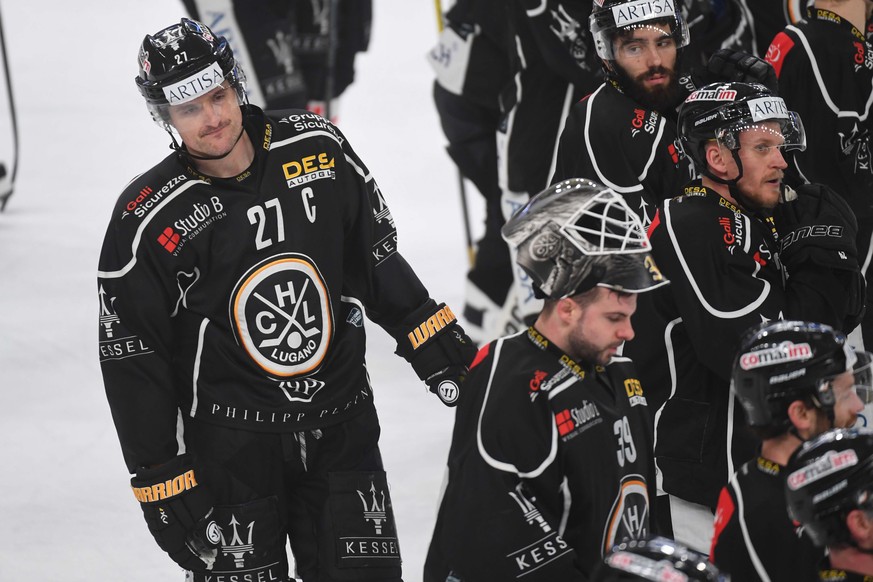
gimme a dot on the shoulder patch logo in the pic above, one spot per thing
(282, 316)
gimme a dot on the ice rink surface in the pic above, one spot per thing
(66, 509)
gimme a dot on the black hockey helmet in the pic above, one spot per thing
(578, 234)
(828, 477)
(782, 361)
(721, 111)
(610, 17)
(656, 559)
(182, 62)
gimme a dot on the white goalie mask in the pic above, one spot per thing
(579, 234)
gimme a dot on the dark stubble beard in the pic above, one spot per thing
(584, 351)
(661, 99)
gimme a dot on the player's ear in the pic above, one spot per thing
(803, 417)
(715, 157)
(859, 524)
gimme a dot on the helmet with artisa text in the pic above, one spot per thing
(182, 62)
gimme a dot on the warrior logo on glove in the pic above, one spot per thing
(431, 326)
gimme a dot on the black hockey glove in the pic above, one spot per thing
(817, 229)
(738, 66)
(438, 349)
(177, 510)
(816, 224)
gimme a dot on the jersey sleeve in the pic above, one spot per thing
(135, 350)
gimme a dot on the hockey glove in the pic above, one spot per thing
(438, 350)
(817, 230)
(177, 511)
(733, 65)
(817, 225)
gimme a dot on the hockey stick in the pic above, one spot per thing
(332, 40)
(462, 187)
(4, 196)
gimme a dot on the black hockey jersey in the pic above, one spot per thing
(241, 301)
(725, 276)
(825, 69)
(610, 138)
(754, 539)
(550, 466)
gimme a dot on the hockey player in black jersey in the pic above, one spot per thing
(472, 67)
(794, 380)
(829, 492)
(550, 464)
(825, 69)
(655, 559)
(639, 51)
(732, 265)
(633, 112)
(234, 280)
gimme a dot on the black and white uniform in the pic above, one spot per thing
(550, 466)
(754, 539)
(610, 138)
(294, 53)
(554, 65)
(825, 69)
(237, 306)
(725, 276)
(472, 66)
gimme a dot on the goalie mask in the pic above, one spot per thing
(656, 559)
(578, 234)
(782, 361)
(183, 62)
(828, 477)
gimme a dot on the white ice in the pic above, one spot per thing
(66, 510)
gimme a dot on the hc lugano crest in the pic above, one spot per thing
(281, 313)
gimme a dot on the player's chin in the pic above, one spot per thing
(771, 191)
(607, 355)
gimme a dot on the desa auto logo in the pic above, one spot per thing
(308, 169)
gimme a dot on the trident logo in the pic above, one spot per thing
(531, 513)
(107, 314)
(374, 512)
(236, 548)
